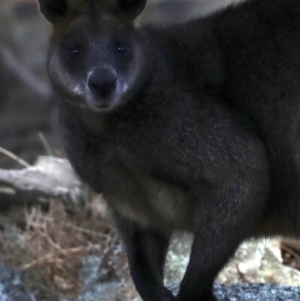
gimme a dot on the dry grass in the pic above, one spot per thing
(49, 246)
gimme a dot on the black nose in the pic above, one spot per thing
(103, 82)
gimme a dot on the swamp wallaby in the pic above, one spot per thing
(191, 127)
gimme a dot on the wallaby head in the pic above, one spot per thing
(96, 58)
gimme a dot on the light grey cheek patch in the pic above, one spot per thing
(123, 86)
(78, 90)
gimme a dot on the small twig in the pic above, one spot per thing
(51, 256)
(80, 229)
(14, 157)
(46, 144)
(290, 251)
(27, 266)
(49, 239)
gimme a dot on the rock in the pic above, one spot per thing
(100, 282)
(12, 287)
(259, 262)
(251, 292)
(254, 262)
(103, 292)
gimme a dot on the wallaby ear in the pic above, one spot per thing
(133, 8)
(53, 10)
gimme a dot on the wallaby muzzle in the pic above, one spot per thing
(102, 82)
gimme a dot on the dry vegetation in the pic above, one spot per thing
(49, 245)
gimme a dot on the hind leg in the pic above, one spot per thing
(222, 221)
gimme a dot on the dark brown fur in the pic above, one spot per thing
(191, 127)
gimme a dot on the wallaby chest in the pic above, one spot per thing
(119, 170)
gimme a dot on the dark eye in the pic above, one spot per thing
(73, 52)
(121, 49)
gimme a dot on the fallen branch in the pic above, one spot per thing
(51, 178)
(53, 256)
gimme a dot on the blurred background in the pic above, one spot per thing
(61, 252)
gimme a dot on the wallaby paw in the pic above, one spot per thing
(167, 295)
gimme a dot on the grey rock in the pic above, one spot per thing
(98, 282)
(253, 292)
(12, 287)
(103, 292)
(89, 273)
